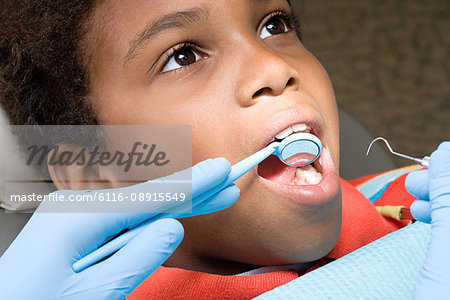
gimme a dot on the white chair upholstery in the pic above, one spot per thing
(10, 157)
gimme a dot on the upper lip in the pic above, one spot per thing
(306, 114)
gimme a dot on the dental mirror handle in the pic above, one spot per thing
(118, 242)
(245, 165)
(242, 167)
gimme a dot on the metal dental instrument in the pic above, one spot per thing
(297, 150)
(425, 161)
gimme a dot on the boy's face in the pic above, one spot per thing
(236, 71)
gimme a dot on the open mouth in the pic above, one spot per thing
(274, 170)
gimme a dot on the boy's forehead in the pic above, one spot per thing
(122, 12)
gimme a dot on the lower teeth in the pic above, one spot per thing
(307, 175)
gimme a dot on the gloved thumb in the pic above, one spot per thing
(138, 259)
(417, 184)
(421, 210)
(440, 176)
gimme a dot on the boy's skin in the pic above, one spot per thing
(246, 88)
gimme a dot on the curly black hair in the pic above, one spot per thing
(43, 72)
(43, 79)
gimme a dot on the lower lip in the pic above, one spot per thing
(316, 194)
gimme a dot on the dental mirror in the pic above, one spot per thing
(299, 149)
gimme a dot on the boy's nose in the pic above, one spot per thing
(266, 74)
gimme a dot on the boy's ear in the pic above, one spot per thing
(69, 173)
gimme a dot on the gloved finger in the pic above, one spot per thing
(205, 176)
(421, 210)
(417, 184)
(440, 180)
(440, 161)
(137, 260)
(221, 200)
(209, 174)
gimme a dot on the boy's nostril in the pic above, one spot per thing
(290, 82)
(258, 93)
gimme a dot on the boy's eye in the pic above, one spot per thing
(277, 24)
(180, 58)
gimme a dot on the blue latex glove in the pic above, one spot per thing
(38, 264)
(432, 188)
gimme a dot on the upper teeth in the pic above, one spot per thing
(294, 128)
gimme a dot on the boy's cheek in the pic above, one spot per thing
(317, 85)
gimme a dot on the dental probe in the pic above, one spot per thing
(294, 144)
(425, 161)
(398, 212)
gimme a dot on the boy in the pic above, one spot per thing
(237, 72)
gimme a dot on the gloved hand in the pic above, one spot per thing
(432, 187)
(38, 264)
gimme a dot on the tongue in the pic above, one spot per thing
(273, 169)
(300, 159)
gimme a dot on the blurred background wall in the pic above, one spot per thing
(389, 61)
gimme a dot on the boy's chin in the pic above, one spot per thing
(303, 250)
(280, 234)
(297, 246)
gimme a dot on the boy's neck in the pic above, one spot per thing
(208, 265)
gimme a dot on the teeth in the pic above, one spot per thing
(307, 175)
(299, 127)
(294, 128)
(284, 133)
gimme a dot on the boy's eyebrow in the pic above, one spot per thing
(170, 21)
